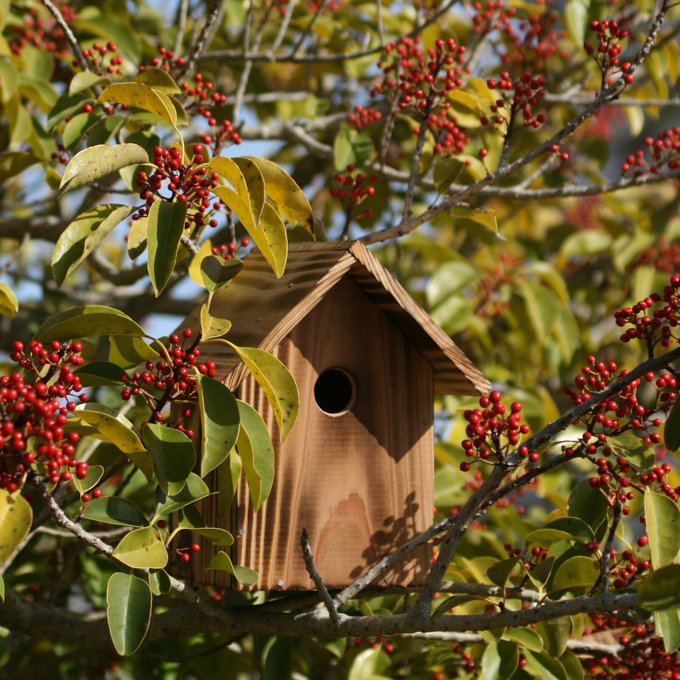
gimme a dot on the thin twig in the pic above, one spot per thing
(202, 40)
(313, 572)
(72, 40)
(182, 12)
(283, 28)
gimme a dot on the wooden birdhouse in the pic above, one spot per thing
(356, 471)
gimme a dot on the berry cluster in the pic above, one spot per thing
(609, 36)
(628, 566)
(494, 286)
(228, 250)
(643, 654)
(175, 180)
(363, 116)
(523, 95)
(421, 81)
(97, 56)
(43, 33)
(169, 379)
(493, 434)
(663, 256)
(353, 189)
(34, 407)
(661, 152)
(653, 319)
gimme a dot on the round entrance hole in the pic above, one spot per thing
(334, 391)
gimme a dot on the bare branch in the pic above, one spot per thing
(313, 572)
(72, 40)
(203, 38)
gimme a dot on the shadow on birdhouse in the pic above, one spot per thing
(356, 471)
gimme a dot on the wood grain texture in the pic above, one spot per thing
(361, 483)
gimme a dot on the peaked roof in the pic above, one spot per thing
(264, 309)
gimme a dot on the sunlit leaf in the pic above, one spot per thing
(96, 162)
(159, 80)
(16, 517)
(255, 449)
(9, 305)
(277, 384)
(211, 326)
(141, 96)
(128, 351)
(89, 320)
(91, 479)
(577, 574)
(663, 527)
(244, 575)
(215, 272)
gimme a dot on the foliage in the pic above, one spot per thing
(519, 166)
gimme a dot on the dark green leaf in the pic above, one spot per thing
(219, 422)
(128, 351)
(542, 665)
(500, 572)
(114, 510)
(159, 582)
(99, 373)
(446, 171)
(500, 660)
(164, 231)
(194, 490)
(215, 271)
(173, 456)
(671, 431)
(128, 611)
(660, 589)
(83, 235)
(555, 634)
(222, 562)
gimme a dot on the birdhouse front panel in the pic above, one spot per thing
(356, 470)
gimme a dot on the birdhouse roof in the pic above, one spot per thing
(264, 309)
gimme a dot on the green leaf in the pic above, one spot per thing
(16, 517)
(222, 562)
(485, 218)
(671, 431)
(500, 572)
(577, 575)
(83, 235)
(113, 427)
(277, 659)
(96, 162)
(192, 491)
(164, 231)
(285, 194)
(277, 384)
(89, 320)
(587, 242)
(630, 447)
(369, 663)
(91, 479)
(215, 272)
(86, 80)
(526, 637)
(159, 582)
(544, 666)
(564, 528)
(663, 527)
(9, 80)
(667, 626)
(257, 454)
(128, 611)
(211, 326)
(141, 96)
(576, 20)
(136, 243)
(75, 129)
(128, 351)
(2, 589)
(228, 474)
(588, 504)
(142, 549)
(541, 306)
(572, 665)
(9, 305)
(351, 148)
(555, 634)
(173, 456)
(446, 171)
(66, 105)
(12, 163)
(500, 660)
(191, 520)
(114, 510)
(660, 589)
(219, 421)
